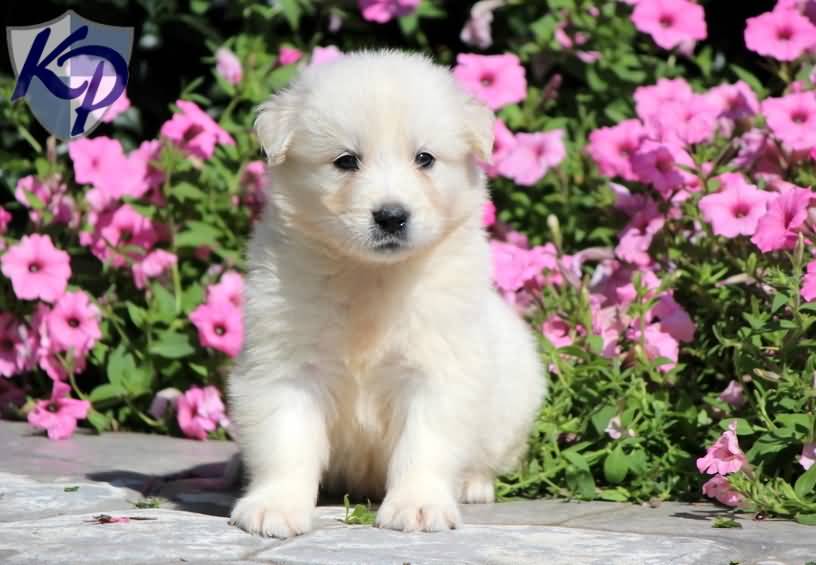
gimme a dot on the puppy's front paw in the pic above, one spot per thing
(273, 513)
(410, 513)
(477, 490)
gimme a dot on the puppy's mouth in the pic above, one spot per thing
(388, 245)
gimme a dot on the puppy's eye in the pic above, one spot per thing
(347, 162)
(424, 160)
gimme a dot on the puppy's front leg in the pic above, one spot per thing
(284, 443)
(423, 469)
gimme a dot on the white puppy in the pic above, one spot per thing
(378, 359)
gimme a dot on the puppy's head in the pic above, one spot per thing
(375, 154)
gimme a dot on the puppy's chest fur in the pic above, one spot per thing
(368, 340)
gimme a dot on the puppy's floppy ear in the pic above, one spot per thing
(275, 126)
(479, 128)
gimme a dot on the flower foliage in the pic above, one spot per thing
(652, 216)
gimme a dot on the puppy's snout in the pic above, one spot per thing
(391, 218)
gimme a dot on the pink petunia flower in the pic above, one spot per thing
(692, 121)
(657, 164)
(5, 218)
(736, 208)
(228, 65)
(503, 144)
(606, 323)
(488, 214)
(657, 344)
(120, 105)
(673, 319)
(650, 100)
(73, 323)
(230, 289)
(11, 361)
(253, 182)
(59, 415)
(53, 195)
(477, 30)
(808, 291)
(557, 331)
(154, 264)
(782, 34)
(532, 156)
(36, 268)
(670, 22)
(496, 80)
(124, 234)
(733, 394)
(725, 456)
(102, 162)
(779, 227)
(808, 456)
(633, 247)
(792, 119)
(220, 326)
(200, 411)
(718, 488)
(194, 131)
(735, 101)
(382, 11)
(289, 55)
(326, 54)
(90, 156)
(612, 148)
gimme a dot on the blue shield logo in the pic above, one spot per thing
(70, 70)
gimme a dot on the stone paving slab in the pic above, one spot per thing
(42, 522)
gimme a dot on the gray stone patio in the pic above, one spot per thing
(45, 519)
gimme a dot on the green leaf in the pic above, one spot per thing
(600, 419)
(186, 191)
(34, 201)
(119, 364)
(743, 427)
(192, 296)
(163, 304)
(172, 345)
(581, 482)
(199, 369)
(616, 466)
(199, 6)
(804, 484)
(359, 514)
(70, 489)
(779, 301)
(618, 494)
(291, 10)
(137, 314)
(106, 392)
(723, 522)
(197, 233)
(280, 77)
(578, 460)
(753, 82)
(807, 519)
(595, 343)
(409, 24)
(99, 421)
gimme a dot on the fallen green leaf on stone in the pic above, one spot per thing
(725, 523)
(150, 502)
(360, 514)
(70, 489)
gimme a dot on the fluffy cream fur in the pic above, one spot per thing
(377, 372)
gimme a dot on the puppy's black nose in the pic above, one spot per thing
(391, 218)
